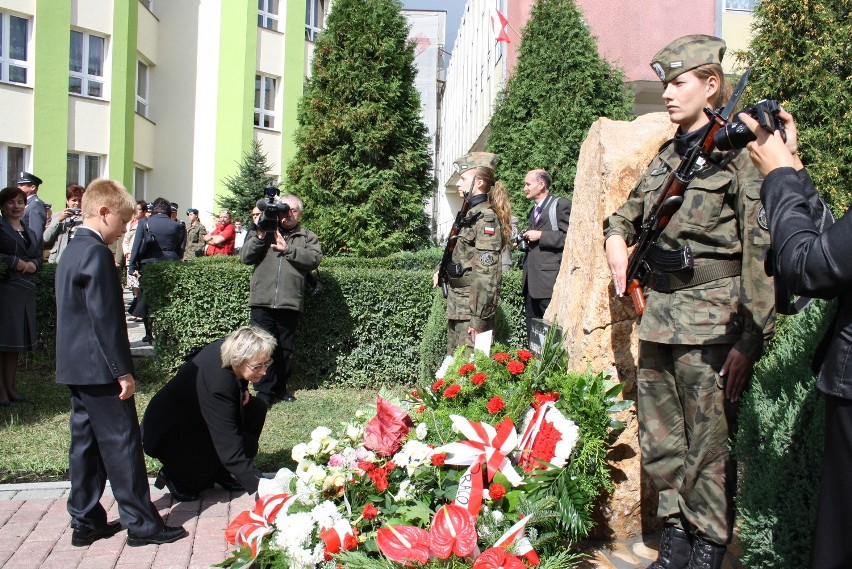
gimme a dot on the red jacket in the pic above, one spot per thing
(227, 248)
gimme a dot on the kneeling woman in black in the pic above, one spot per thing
(203, 425)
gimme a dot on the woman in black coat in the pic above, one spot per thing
(203, 425)
(815, 262)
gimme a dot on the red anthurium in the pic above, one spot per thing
(453, 531)
(497, 558)
(404, 544)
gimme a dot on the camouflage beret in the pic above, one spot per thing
(686, 53)
(476, 160)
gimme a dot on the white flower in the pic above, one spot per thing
(403, 493)
(421, 431)
(497, 515)
(359, 414)
(320, 434)
(278, 485)
(329, 445)
(325, 515)
(313, 447)
(299, 452)
(353, 431)
(310, 472)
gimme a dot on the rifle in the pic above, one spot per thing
(452, 238)
(671, 197)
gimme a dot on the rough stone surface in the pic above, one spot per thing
(599, 328)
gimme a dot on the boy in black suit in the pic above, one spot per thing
(93, 359)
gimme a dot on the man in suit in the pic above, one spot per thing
(93, 359)
(545, 239)
(35, 216)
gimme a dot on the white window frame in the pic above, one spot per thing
(737, 5)
(84, 174)
(6, 60)
(86, 78)
(9, 175)
(142, 89)
(267, 14)
(314, 18)
(262, 101)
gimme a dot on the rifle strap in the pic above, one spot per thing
(670, 282)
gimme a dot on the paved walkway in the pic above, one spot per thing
(34, 530)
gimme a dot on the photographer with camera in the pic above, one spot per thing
(283, 254)
(542, 244)
(709, 311)
(63, 226)
(812, 258)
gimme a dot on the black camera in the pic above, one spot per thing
(521, 243)
(268, 222)
(736, 134)
(75, 211)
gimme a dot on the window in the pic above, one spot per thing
(267, 14)
(314, 14)
(264, 101)
(141, 88)
(740, 5)
(140, 176)
(14, 43)
(87, 65)
(12, 161)
(83, 168)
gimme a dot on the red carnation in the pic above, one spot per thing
(496, 404)
(525, 355)
(380, 478)
(437, 385)
(369, 512)
(501, 357)
(366, 466)
(439, 459)
(545, 397)
(496, 491)
(350, 542)
(390, 466)
(478, 378)
(466, 369)
(452, 391)
(415, 394)
(421, 408)
(515, 367)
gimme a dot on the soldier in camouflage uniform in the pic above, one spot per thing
(194, 232)
(476, 271)
(704, 326)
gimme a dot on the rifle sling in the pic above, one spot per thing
(670, 282)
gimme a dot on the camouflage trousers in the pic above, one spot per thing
(684, 425)
(457, 335)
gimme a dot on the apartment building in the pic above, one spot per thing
(164, 96)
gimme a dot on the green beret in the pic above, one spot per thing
(476, 160)
(686, 53)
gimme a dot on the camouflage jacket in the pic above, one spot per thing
(473, 296)
(719, 221)
(194, 243)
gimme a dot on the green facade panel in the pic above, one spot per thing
(293, 81)
(123, 91)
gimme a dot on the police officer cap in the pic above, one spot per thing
(174, 207)
(150, 207)
(686, 53)
(27, 179)
(476, 160)
(191, 210)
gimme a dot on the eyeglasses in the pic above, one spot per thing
(258, 367)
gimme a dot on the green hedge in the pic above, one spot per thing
(779, 445)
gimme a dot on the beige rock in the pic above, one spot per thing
(599, 328)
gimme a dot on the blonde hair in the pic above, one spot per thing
(498, 197)
(246, 344)
(110, 194)
(723, 93)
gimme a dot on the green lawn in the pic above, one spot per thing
(34, 436)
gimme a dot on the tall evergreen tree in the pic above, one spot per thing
(362, 165)
(247, 186)
(561, 85)
(801, 54)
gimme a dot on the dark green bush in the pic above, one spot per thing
(779, 445)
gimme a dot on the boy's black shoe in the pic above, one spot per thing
(82, 537)
(166, 535)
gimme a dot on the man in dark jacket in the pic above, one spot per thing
(545, 239)
(281, 264)
(814, 261)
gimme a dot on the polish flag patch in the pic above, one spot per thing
(488, 230)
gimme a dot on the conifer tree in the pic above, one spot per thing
(247, 186)
(801, 55)
(362, 164)
(560, 86)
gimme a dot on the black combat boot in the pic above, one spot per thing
(675, 549)
(706, 554)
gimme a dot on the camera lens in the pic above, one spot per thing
(732, 136)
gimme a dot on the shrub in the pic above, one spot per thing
(779, 445)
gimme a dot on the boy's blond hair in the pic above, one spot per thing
(107, 193)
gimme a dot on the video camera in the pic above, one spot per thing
(736, 134)
(521, 243)
(268, 222)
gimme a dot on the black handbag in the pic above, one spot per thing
(148, 241)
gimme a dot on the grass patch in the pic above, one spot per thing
(34, 436)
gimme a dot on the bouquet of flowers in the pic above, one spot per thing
(496, 464)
